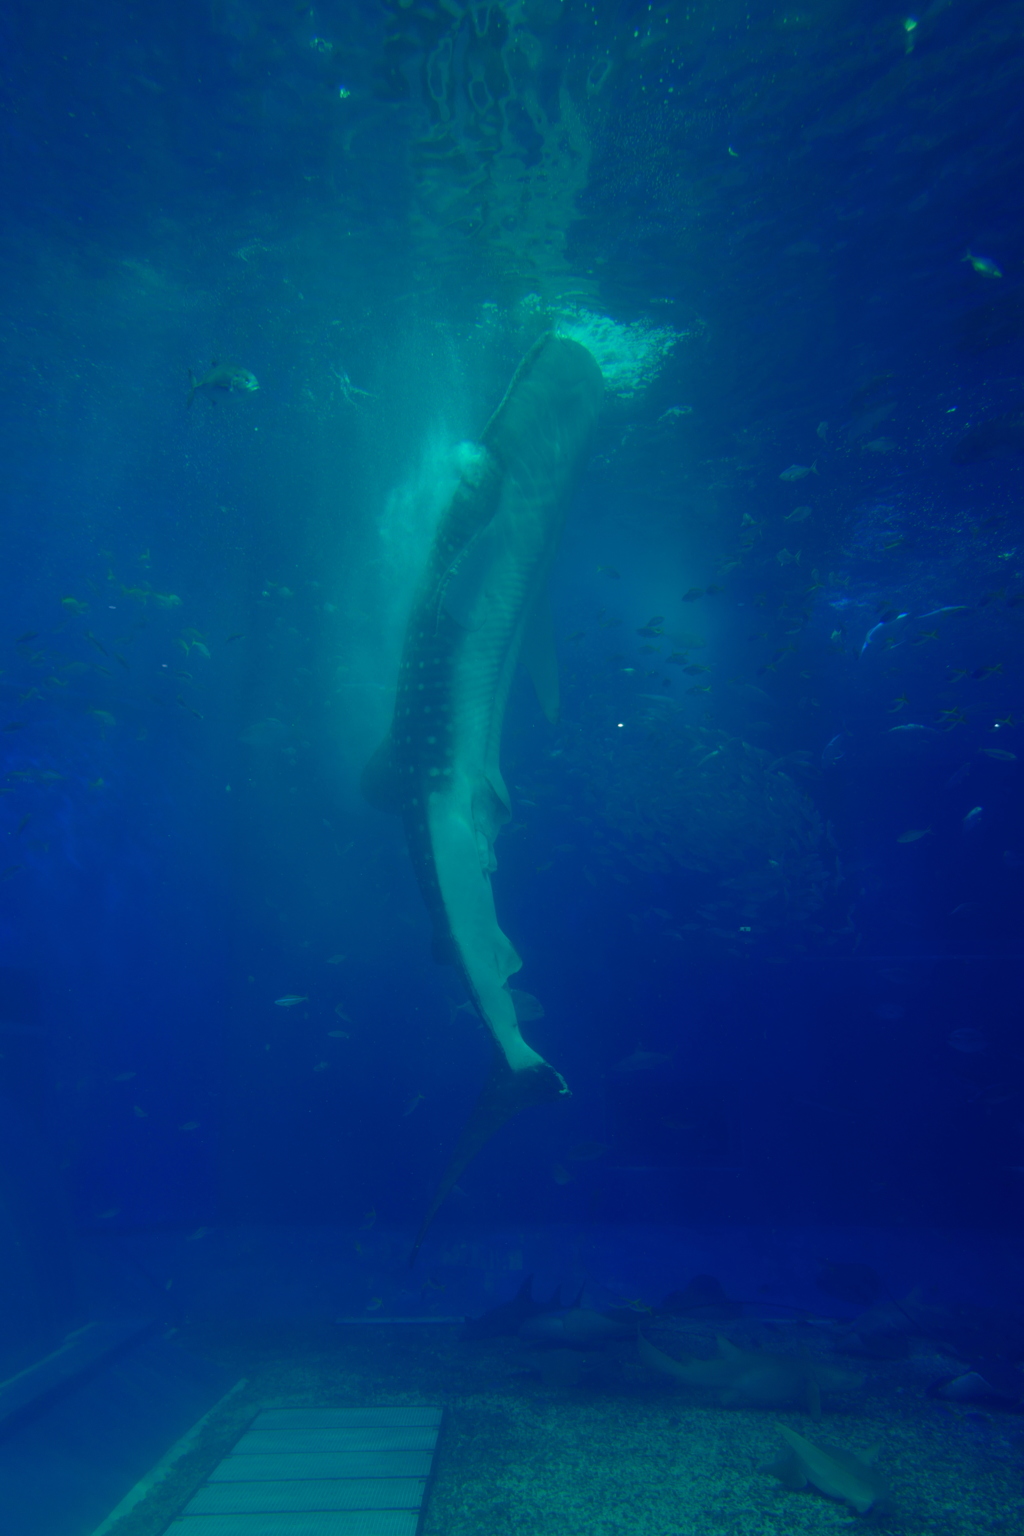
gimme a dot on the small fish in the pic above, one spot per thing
(413, 1103)
(822, 430)
(914, 835)
(222, 379)
(891, 617)
(998, 754)
(677, 659)
(698, 689)
(321, 1066)
(786, 557)
(375, 1303)
(335, 959)
(898, 704)
(798, 471)
(104, 717)
(587, 1151)
(798, 515)
(912, 725)
(289, 1000)
(561, 1174)
(10, 872)
(973, 818)
(968, 1041)
(833, 751)
(238, 635)
(980, 672)
(140, 1112)
(609, 570)
(189, 1125)
(30, 634)
(23, 823)
(98, 644)
(338, 1034)
(171, 600)
(984, 265)
(692, 595)
(694, 670)
(926, 635)
(368, 1221)
(124, 1077)
(73, 605)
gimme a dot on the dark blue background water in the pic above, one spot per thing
(202, 608)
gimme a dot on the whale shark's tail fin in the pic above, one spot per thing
(504, 1094)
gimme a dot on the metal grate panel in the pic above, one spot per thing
(320, 1472)
(363, 1522)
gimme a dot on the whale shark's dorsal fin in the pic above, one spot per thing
(504, 1094)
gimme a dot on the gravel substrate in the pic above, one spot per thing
(527, 1448)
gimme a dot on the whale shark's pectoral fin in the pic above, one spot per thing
(504, 1094)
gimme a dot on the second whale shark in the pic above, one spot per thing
(481, 606)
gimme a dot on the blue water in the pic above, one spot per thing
(775, 843)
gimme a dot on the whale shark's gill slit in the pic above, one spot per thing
(504, 1094)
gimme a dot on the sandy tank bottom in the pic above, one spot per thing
(538, 1444)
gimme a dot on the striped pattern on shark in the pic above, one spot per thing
(480, 608)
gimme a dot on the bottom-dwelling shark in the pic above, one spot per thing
(836, 1473)
(481, 607)
(747, 1378)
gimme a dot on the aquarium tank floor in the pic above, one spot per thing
(615, 1453)
(545, 1440)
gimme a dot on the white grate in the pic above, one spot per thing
(320, 1472)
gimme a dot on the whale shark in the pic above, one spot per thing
(480, 608)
